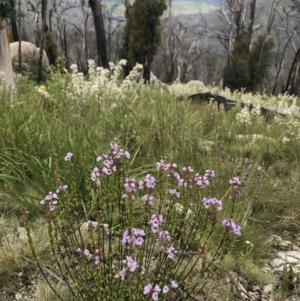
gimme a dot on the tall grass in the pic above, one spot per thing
(37, 130)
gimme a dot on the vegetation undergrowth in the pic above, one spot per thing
(40, 125)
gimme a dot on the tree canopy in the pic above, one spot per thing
(6, 8)
(248, 68)
(143, 33)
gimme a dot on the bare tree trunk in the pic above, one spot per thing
(44, 25)
(280, 65)
(14, 30)
(293, 81)
(109, 38)
(13, 22)
(275, 6)
(5, 61)
(19, 29)
(59, 34)
(35, 9)
(147, 69)
(100, 32)
(127, 8)
(85, 53)
(65, 44)
(50, 19)
(252, 16)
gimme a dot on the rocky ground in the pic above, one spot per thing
(285, 265)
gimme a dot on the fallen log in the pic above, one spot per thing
(229, 104)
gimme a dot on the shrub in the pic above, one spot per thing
(248, 68)
(50, 48)
(112, 237)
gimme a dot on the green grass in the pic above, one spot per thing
(37, 131)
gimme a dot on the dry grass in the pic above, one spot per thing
(42, 292)
(15, 252)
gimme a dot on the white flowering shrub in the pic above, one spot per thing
(286, 106)
(244, 116)
(100, 83)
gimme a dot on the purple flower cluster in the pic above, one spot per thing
(52, 198)
(153, 290)
(129, 185)
(173, 175)
(90, 256)
(133, 238)
(149, 289)
(107, 169)
(148, 199)
(155, 221)
(164, 236)
(187, 169)
(174, 192)
(116, 153)
(208, 202)
(201, 181)
(162, 166)
(128, 196)
(232, 227)
(50, 201)
(109, 163)
(172, 285)
(129, 189)
(95, 176)
(171, 252)
(130, 266)
(61, 188)
(188, 180)
(68, 157)
(209, 174)
(235, 184)
(148, 183)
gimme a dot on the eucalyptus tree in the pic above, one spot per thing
(5, 60)
(145, 33)
(100, 32)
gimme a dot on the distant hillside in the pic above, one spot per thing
(186, 7)
(180, 7)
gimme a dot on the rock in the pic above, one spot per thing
(249, 291)
(268, 289)
(30, 54)
(154, 80)
(45, 61)
(196, 83)
(245, 296)
(284, 245)
(288, 258)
